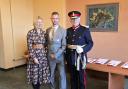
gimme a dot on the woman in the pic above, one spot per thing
(38, 69)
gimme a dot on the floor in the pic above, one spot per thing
(16, 79)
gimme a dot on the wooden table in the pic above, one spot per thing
(116, 74)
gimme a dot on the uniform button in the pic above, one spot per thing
(73, 35)
(73, 40)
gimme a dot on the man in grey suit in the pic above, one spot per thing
(56, 46)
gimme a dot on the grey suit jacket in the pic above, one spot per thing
(57, 45)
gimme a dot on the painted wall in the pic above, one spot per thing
(22, 21)
(1, 45)
(6, 32)
(16, 20)
(112, 45)
(44, 8)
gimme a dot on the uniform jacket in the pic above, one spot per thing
(79, 36)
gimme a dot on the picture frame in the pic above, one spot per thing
(103, 17)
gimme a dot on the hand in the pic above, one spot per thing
(36, 61)
(52, 56)
(79, 49)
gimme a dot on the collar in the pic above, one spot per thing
(41, 31)
(75, 27)
(55, 27)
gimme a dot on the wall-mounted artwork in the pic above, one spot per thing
(103, 17)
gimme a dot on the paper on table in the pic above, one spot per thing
(113, 62)
(101, 61)
(91, 60)
(125, 65)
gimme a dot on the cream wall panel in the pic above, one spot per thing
(16, 19)
(1, 45)
(22, 20)
(7, 33)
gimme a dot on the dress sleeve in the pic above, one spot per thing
(31, 51)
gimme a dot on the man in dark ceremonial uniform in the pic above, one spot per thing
(79, 42)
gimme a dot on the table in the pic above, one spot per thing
(116, 74)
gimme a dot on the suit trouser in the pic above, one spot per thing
(61, 68)
(77, 78)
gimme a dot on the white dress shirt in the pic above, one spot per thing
(52, 31)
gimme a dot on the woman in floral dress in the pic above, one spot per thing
(37, 68)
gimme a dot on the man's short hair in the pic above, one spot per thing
(55, 13)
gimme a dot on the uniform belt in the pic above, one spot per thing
(74, 46)
(71, 46)
(38, 46)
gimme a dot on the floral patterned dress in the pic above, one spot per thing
(37, 73)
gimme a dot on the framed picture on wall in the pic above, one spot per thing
(103, 17)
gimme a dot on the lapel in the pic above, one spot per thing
(57, 31)
(56, 34)
(48, 33)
